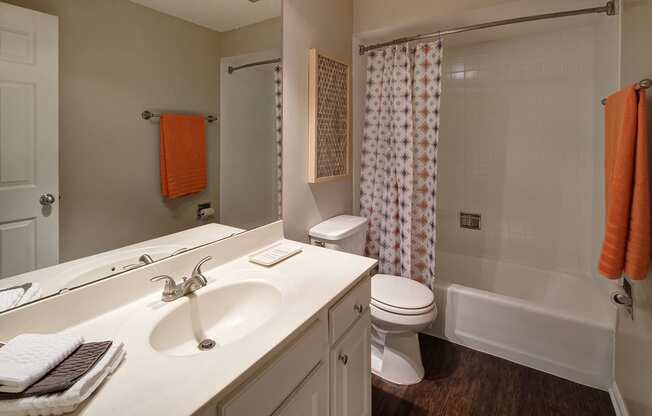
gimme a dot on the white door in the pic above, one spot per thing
(29, 139)
(351, 372)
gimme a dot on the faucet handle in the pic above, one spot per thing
(179, 251)
(196, 272)
(197, 269)
(169, 282)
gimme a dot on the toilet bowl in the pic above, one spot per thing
(400, 307)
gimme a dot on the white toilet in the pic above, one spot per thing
(400, 307)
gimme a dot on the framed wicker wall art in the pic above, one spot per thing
(329, 148)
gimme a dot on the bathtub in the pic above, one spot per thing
(553, 322)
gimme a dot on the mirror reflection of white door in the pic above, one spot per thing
(29, 140)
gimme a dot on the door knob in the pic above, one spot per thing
(46, 199)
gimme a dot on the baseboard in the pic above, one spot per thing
(619, 404)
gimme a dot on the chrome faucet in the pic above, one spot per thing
(173, 291)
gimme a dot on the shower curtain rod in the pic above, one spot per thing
(232, 69)
(609, 9)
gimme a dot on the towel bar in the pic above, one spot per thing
(146, 115)
(644, 83)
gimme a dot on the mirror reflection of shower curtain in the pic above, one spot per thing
(278, 119)
(398, 178)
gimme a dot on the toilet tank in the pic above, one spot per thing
(344, 233)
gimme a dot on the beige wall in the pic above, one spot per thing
(386, 19)
(326, 25)
(118, 59)
(382, 15)
(262, 36)
(634, 338)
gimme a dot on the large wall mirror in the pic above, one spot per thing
(131, 131)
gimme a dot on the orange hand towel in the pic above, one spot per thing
(626, 245)
(183, 155)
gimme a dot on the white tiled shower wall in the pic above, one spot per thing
(521, 144)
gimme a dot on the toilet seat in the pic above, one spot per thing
(401, 296)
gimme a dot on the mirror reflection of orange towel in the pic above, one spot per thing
(626, 245)
(183, 155)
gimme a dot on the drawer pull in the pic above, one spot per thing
(343, 358)
(358, 308)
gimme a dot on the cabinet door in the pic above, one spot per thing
(351, 371)
(309, 399)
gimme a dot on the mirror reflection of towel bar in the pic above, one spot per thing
(146, 115)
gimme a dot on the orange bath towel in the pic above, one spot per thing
(183, 155)
(626, 245)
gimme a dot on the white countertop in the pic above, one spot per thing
(151, 383)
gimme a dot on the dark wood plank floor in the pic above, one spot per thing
(463, 382)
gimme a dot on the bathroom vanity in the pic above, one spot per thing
(290, 339)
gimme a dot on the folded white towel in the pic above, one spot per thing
(28, 357)
(31, 294)
(9, 298)
(67, 401)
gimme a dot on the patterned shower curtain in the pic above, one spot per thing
(278, 121)
(398, 183)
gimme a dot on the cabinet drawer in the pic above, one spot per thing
(269, 389)
(353, 305)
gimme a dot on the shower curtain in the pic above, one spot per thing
(278, 127)
(398, 183)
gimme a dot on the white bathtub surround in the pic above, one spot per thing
(398, 176)
(161, 368)
(549, 321)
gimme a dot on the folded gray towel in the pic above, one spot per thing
(64, 375)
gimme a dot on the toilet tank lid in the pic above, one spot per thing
(338, 228)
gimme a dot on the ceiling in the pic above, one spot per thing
(220, 15)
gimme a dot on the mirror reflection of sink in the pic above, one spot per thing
(215, 317)
(112, 263)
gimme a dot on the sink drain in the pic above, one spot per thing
(206, 344)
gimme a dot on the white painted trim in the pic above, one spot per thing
(617, 399)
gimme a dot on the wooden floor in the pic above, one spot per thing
(460, 382)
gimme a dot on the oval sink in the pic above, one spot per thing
(215, 318)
